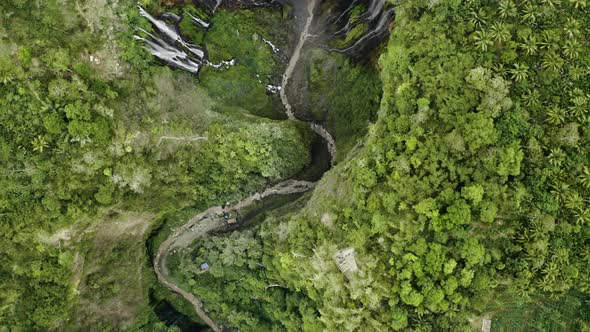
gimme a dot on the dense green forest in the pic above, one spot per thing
(462, 181)
(469, 194)
(91, 131)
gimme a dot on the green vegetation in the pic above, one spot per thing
(357, 28)
(240, 36)
(567, 314)
(469, 193)
(466, 197)
(90, 128)
(342, 93)
(239, 289)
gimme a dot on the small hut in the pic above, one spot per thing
(346, 261)
(204, 267)
(232, 217)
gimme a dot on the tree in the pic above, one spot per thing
(483, 40)
(39, 143)
(519, 72)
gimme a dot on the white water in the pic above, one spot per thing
(164, 28)
(272, 46)
(172, 49)
(200, 22)
(227, 64)
(295, 58)
(377, 15)
(380, 28)
(165, 48)
(272, 89)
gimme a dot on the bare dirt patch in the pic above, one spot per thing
(99, 16)
(123, 224)
(61, 237)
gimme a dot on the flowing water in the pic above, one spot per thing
(295, 58)
(171, 48)
(377, 17)
(318, 129)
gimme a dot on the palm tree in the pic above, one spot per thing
(556, 157)
(500, 32)
(529, 45)
(584, 178)
(556, 115)
(582, 217)
(39, 143)
(520, 72)
(529, 13)
(576, 72)
(499, 69)
(559, 191)
(482, 40)
(550, 39)
(477, 18)
(552, 61)
(572, 27)
(551, 271)
(578, 3)
(532, 98)
(551, 3)
(571, 49)
(579, 107)
(561, 255)
(507, 9)
(574, 201)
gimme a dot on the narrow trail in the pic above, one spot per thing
(212, 219)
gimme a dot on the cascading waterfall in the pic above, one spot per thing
(176, 52)
(171, 48)
(377, 16)
(375, 8)
(289, 72)
(213, 4)
(199, 21)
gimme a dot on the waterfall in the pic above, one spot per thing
(171, 48)
(311, 4)
(199, 21)
(295, 58)
(377, 16)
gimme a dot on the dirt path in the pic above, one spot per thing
(202, 224)
(182, 139)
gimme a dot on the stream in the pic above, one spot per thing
(173, 50)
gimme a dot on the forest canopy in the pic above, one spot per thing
(470, 192)
(461, 188)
